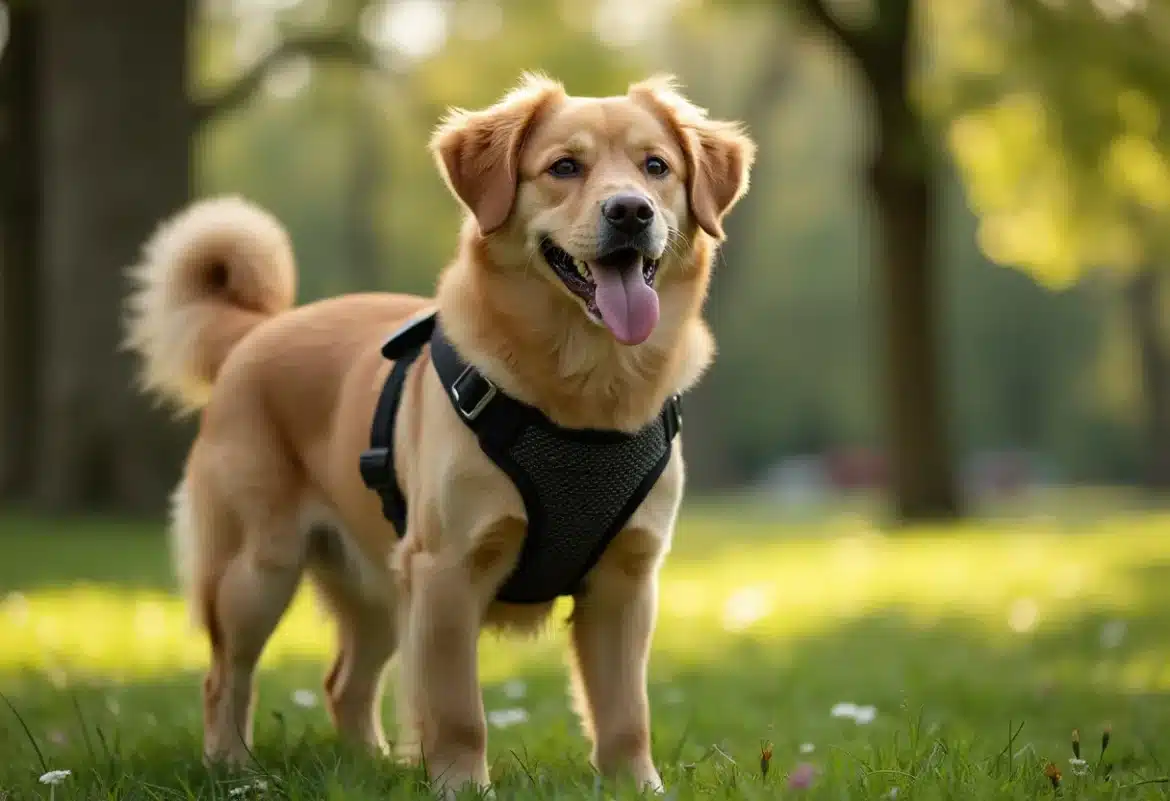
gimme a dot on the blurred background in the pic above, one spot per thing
(943, 303)
(945, 288)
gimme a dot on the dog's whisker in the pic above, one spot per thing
(675, 243)
(528, 263)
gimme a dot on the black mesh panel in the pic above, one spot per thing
(583, 487)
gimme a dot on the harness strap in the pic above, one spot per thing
(494, 416)
(377, 462)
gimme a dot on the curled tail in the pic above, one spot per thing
(208, 276)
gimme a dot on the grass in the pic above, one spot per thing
(980, 646)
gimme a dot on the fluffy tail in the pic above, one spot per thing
(208, 276)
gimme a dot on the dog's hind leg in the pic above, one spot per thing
(367, 637)
(243, 590)
(251, 597)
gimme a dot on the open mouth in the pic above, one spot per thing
(617, 288)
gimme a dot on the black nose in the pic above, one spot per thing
(631, 214)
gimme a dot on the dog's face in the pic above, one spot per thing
(610, 192)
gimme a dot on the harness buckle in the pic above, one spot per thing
(375, 468)
(480, 404)
(674, 419)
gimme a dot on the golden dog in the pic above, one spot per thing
(271, 487)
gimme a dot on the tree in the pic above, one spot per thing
(903, 181)
(116, 157)
(1067, 159)
(20, 119)
(106, 158)
(1144, 294)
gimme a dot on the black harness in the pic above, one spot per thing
(579, 486)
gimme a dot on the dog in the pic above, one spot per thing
(577, 288)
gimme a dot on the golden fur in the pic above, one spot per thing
(271, 488)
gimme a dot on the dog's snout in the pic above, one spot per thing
(629, 213)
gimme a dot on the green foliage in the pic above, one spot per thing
(1065, 154)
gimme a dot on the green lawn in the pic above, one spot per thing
(980, 647)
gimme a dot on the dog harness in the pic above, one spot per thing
(579, 486)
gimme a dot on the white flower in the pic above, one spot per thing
(865, 715)
(843, 710)
(56, 776)
(807, 748)
(305, 698)
(515, 689)
(503, 718)
(892, 794)
(1079, 766)
(259, 786)
(861, 715)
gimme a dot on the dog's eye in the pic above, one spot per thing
(565, 168)
(656, 167)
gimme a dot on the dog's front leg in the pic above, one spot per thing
(613, 622)
(441, 701)
(445, 597)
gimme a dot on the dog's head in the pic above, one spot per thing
(612, 193)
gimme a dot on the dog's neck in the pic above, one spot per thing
(538, 346)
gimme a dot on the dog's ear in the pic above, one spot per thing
(719, 153)
(478, 152)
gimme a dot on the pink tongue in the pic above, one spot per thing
(628, 306)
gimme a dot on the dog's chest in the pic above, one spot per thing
(578, 494)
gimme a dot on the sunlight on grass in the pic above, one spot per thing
(716, 590)
(780, 589)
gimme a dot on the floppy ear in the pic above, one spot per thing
(477, 152)
(719, 154)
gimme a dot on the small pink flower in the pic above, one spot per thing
(801, 777)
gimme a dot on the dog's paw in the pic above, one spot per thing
(227, 759)
(469, 789)
(652, 782)
(465, 781)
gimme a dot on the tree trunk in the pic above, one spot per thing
(903, 179)
(1144, 303)
(905, 198)
(116, 160)
(921, 471)
(19, 217)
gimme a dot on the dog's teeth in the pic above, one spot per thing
(582, 269)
